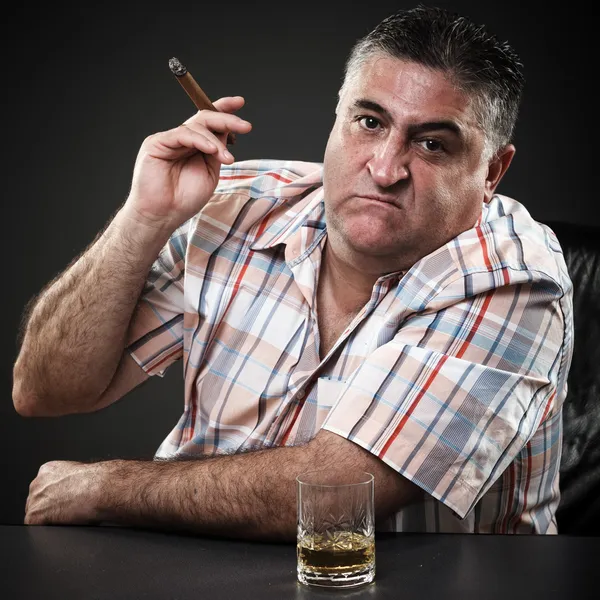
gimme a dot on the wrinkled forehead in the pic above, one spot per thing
(407, 88)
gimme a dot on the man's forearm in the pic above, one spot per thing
(76, 332)
(251, 496)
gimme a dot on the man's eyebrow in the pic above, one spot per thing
(450, 126)
(374, 106)
(417, 129)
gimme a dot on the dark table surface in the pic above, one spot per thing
(69, 563)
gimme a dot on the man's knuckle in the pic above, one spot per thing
(31, 518)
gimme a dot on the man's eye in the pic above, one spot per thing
(369, 122)
(431, 145)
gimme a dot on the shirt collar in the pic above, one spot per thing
(308, 213)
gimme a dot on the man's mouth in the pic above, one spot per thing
(379, 198)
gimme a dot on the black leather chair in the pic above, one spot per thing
(579, 509)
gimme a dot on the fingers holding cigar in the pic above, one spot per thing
(197, 94)
(210, 124)
(226, 106)
(229, 104)
(176, 171)
(186, 141)
(204, 132)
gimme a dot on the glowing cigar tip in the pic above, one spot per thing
(176, 67)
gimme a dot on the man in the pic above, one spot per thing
(386, 311)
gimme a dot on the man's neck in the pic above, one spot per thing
(350, 287)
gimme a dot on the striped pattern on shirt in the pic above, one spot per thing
(453, 374)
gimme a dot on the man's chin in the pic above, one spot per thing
(374, 237)
(375, 246)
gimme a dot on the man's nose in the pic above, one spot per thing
(389, 163)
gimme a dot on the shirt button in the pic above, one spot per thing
(301, 394)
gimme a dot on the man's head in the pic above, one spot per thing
(423, 123)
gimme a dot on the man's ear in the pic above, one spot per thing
(498, 165)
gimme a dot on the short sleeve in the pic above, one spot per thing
(155, 336)
(453, 398)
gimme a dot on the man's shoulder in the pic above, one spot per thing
(269, 177)
(506, 247)
(513, 240)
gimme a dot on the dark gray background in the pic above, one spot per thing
(85, 85)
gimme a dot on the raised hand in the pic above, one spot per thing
(176, 171)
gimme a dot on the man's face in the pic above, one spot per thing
(404, 167)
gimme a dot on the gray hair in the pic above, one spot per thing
(487, 70)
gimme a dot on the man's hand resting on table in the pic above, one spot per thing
(64, 492)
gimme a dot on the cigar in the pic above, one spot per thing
(194, 91)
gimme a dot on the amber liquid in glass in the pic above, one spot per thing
(344, 553)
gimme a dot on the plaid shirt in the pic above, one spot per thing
(454, 373)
